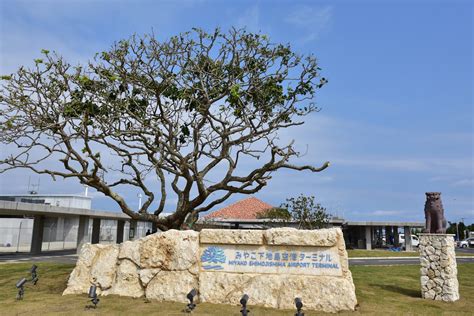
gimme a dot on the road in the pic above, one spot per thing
(396, 261)
(70, 256)
(63, 256)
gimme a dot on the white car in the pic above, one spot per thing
(468, 242)
(415, 242)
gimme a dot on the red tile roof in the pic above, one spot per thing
(243, 209)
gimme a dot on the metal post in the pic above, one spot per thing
(49, 237)
(19, 235)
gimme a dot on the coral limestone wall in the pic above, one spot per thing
(438, 268)
(272, 266)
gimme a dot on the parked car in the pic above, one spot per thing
(415, 242)
(468, 242)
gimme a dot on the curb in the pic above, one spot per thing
(387, 258)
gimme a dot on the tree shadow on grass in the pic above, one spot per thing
(399, 290)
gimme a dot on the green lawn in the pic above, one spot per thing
(380, 290)
(358, 253)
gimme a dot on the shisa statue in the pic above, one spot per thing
(434, 214)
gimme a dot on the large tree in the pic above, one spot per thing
(180, 115)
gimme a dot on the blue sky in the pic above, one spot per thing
(397, 118)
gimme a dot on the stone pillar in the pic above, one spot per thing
(408, 245)
(120, 228)
(438, 267)
(82, 232)
(396, 239)
(95, 231)
(37, 235)
(368, 237)
(132, 233)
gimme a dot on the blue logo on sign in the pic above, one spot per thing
(213, 255)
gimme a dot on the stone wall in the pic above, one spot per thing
(223, 265)
(438, 267)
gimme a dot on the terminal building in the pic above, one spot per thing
(42, 222)
(362, 235)
(35, 223)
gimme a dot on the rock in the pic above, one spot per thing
(424, 262)
(104, 266)
(171, 286)
(434, 258)
(431, 273)
(430, 250)
(171, 250)
(424, 280)
(318, 293)
(294, 237)
(127, 282)
(146, 275)
(79, 280)
(227, 288)
(439, 281)
(436, 243)
(430, 284)
(224, 236)
(430, 295)
(130, 250)
(444, 263)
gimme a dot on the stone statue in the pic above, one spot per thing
(434, 214)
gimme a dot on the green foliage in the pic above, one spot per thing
(455, 228)
(275, 213)
(306, 212)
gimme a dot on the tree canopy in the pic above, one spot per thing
(306, 212)
(178, 116)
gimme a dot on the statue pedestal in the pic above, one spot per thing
(439, 271)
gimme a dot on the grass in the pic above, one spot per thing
(393, 290)
(358, 253)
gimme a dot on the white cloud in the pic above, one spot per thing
(463, 183)
(313, 21)
(389, 213)
(408, 164)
